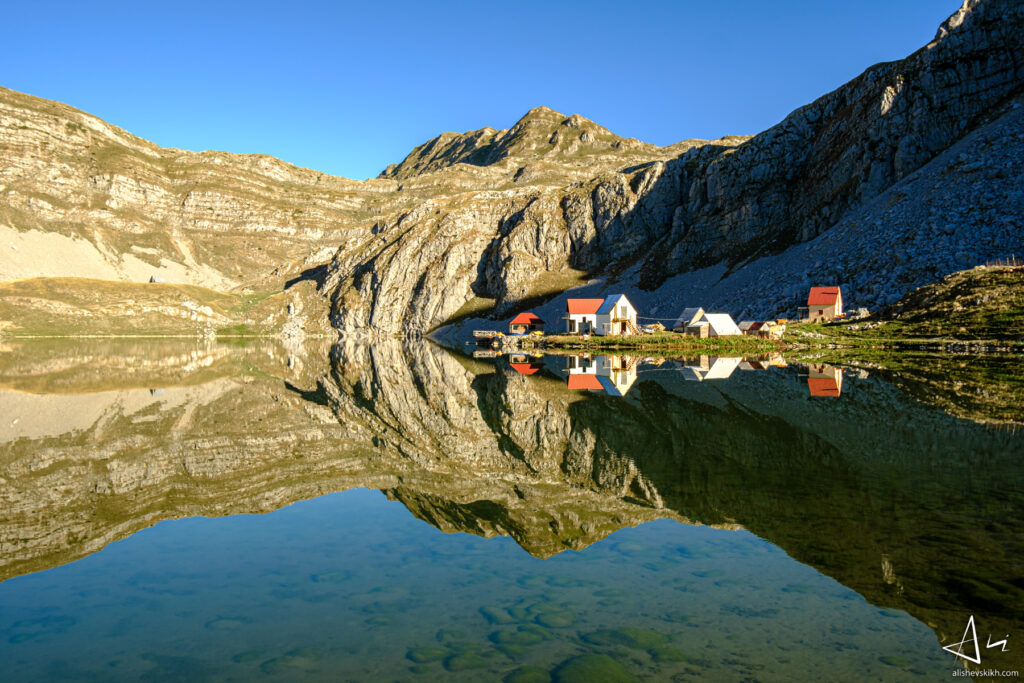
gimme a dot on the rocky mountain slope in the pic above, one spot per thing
(733, 217)
(890, 182)
(80, 198)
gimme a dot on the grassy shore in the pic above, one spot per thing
(665, 341)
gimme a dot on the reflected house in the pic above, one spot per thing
(526, 368)
(824, 380)
(582, 373)
(711, 367)
(524, 364)
(774, 360)
(581, 315)
(580, 365)
(616, 373)
(524, 323)
(616, 317)
(824, 303)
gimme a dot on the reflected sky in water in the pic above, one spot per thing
(430, 515)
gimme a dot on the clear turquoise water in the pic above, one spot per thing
(352, 587)
(850, 536)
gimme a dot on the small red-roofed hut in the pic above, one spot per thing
(524, 323)
(824, 303)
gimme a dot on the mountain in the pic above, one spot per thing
(541, 135)
(84, 199)
(897, 178)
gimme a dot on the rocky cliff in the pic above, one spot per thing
(84, 199)
(729, 204)
(890, 182)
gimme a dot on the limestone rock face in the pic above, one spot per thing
(82, 198)
(542, 132)
(490, 219)
(797, 179)
(727, 202)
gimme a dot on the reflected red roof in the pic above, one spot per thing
(823, 296)
(823, 386)
(526, 319)
(524, 368)
(583, 306)
(584, 382)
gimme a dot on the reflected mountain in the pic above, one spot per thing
(911, 507)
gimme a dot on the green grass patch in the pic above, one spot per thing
(663, 341)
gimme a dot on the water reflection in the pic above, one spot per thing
(824, 380)
(911, 508)
(615, 374)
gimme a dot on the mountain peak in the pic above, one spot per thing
(541, 132)
(542, 112)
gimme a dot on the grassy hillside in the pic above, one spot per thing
(82, 307)
(980, 307)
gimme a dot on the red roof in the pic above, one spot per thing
(584, 306)
(526, 319)
(584, 382)
(823, 386)
(823, 296)
(524, 368)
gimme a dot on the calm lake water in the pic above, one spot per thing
(174, 511)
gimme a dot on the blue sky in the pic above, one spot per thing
(347, 89)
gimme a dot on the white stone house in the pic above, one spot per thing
(581, 317)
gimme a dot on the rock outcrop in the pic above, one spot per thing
(490, 220)
(723, 205)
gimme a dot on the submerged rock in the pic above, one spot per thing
(592, 669)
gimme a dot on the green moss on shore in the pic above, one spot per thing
(665, 341)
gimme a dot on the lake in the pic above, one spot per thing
(176, 510)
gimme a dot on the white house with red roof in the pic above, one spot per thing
(824, 303)
(612, 316)
(524, 323)
(582, 315)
